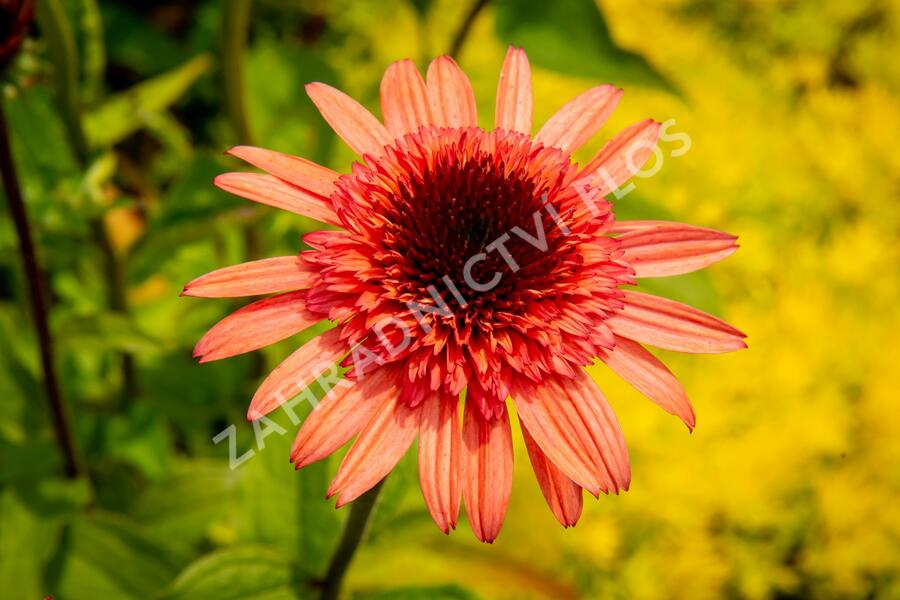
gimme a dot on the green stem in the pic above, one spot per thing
(463, 32)
(235, 25)
(235, 28)
(62, 424)
(354, 529)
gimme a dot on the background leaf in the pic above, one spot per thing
(128, 111)
(239, 573)
(572, 37)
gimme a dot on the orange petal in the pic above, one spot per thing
(255, 278)
(439, 456)
(622, 156)
(293, 169)
(272, 191)
(383, 441)
(349, 119)
(651, 377)
(574, 425)
(514, 100)
(579, 119)
(660, 249)
(341, 414)
(404, 101)
(671, 325)
(450, 94)
(256, 325)
(488, 459)
(296, 372)
(561, 493)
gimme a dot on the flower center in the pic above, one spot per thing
(480, 244)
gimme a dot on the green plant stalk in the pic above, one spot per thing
(463, 32)
(94, 51)
(354, 530)
(61, 47)
(62, 424)
(235, 28)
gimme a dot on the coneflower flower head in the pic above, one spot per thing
(473, 264)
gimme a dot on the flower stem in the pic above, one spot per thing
(235, 26)
(62, 424)
(354, 529)
(235, 29)
(463, 32)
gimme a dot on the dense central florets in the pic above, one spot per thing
(469, 257)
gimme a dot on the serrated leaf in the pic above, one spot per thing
(126, 112)
(239, 573)
(571, 37)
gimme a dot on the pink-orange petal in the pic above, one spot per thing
(579, 119)
(450, 94)
(293, 169)
(515, 104)
(350, 120)
(563, 495)
(275, 192)
(297, 371)
(404, 100)
(662, 248)
(256, 325)
(255, 278)
(341, 414)
(439, 459)
(381, 443)
(488, 462)
(633, 363)
(671, 325)
(622, 156)
(575, 427)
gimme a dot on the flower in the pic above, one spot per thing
(467, 263)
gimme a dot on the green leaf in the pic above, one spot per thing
(140, 438)
(240, 573)
(108, 331)
(192, 210)
(109, 556)
(571, 37)
(444, 592)
(282, 507)
(422, 6)
(128, 111)
(281, 115)
(190, 503)
(31, 519)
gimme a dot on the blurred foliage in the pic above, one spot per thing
(787, 489)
